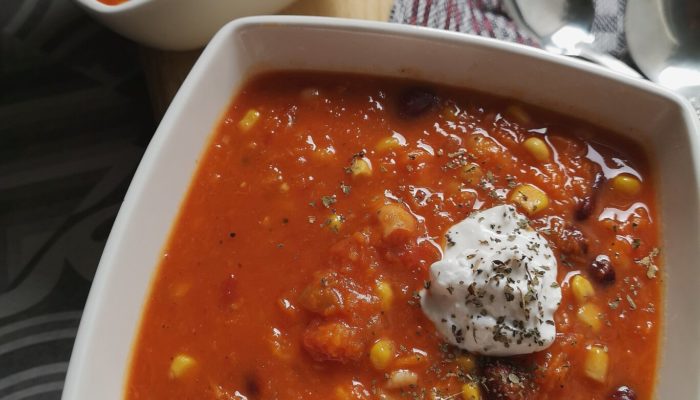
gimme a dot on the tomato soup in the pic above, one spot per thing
(112, 2)
(300, 262)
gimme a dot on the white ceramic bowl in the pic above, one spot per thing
(654, 116)
(175, 24)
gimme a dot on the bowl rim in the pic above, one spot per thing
(350, 24)
(92, 312)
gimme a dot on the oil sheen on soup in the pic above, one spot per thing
(354, 237)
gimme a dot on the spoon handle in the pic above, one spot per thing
(695, 102)
(608, 61)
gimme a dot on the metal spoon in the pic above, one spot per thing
(564, 27)
(664, 40)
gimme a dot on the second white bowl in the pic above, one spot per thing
(175, 24)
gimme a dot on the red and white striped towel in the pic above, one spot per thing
(489, 18)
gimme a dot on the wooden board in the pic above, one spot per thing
(165, 70)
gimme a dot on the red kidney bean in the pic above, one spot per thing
(601, 269)
(507, 381)
(252, 387)
(585, 206)
(571, 241)
(416, 101)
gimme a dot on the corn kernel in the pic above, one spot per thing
(361, 167)
(342, 394)
(381, 395)
(181, 289)
(326, 154)
(481, 145)
(626, 185)
(386, 295)
(450, 112)
(249, 119)
(181, 365)
(284, 187)
(334, 222)
(279, 345)
(589, 314)
(470, 391)
(538, 148)
(394, 217)
(309, 93)
(531, 198)
(581, 288)
(382, 354)
(596, 363)
(519, 114)
(466, 362)
(472, 173)
(387, 144)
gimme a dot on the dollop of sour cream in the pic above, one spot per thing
(494, 292)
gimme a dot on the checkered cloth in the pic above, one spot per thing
(489, 18)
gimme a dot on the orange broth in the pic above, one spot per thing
(112, 2)
(279, 217)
